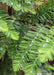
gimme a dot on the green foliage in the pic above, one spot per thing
(6, 26)
(34, 45)
(3, 26)
(24, 5)
(47, 49)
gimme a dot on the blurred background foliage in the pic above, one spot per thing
(27, 38)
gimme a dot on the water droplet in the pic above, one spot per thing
(36, 52)
(18, 64)
(26, 52)
(47, 40)
(32, 41)
(12, 3)
(31, 44)
(31, 71)
(40, 29)
(39, 37)
(39, 50)
(23, 56)
(1, 49)
(23, 60)
(28, 2)
(44, 45)
(19, 5)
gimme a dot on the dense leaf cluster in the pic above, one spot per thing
(35, 43)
